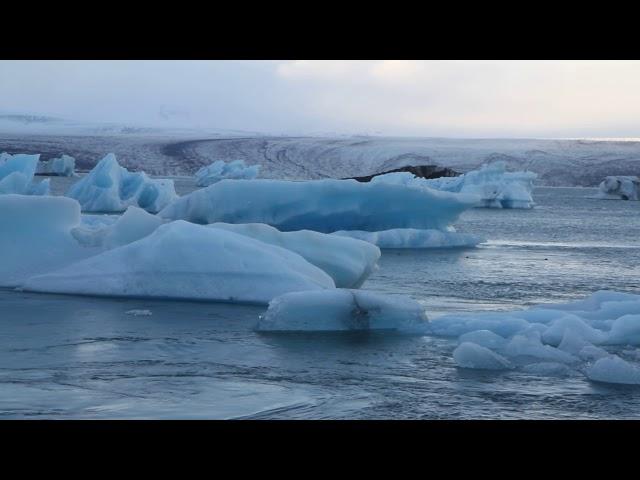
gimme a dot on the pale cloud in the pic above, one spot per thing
(395, 97)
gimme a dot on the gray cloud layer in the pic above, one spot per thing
(423, 98)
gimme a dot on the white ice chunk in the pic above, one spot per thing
(188, 261)
(620, 188)
(16, 175)
(555, 333)
(472, 355)
(625, 331)
(321, 205)
(63, 166)
(342, 310)
(35, 236)
(414, 238)
(349, 262)
(613, 369)
(484, 338)
(112, 188)
(220, 170)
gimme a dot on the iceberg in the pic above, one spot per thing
(620, 188)
(112, 188)
(349, 262)
(342, 310)
(35, 236)
(492, 184)
(63, 166)
(181, 260)
(556, 339)
(16, 175)
(220, 170)
(414, 238)
(322, 205)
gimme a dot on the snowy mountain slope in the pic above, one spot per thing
(557, 162)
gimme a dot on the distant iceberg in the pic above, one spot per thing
(342, 310)
(322, 205)
(63, 166)
(112, 188)
(492, 184)
(220, 170)
(348, 261)
(182, 260)
(414, 238)
(620, 188)
(16, 175)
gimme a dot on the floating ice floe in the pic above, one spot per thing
(187, 261)
(63, 166)
(620, 188)
(112, 188)
(16, 175)
(321, 205)
(342, 310)
(552, 339)
(492, 184)
(349, 262)
(220, 170)
(35, 236)
(414, 238)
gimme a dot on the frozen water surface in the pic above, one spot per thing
(84, 357)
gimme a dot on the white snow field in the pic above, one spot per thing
(414, 238)
(218, 265)
(322, 205)
(63, 166)
(16, 175)
(492, 183)
(620, 188)
(220, 170)
(35, 236)
(556, 339)
(112, 188)
(342, 310)
(349, 262)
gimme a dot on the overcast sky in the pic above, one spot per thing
(416, 98)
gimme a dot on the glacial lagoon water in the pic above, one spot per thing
(84, 357)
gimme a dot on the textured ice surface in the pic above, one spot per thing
(492, 183)
(112, 188)
(220, 170)
(63, 166)
(35, 236)
(184, 260)
(620, 188)
(414, 238)
(349, 262)
(541, 338)
(322, 205)
(342, 310)
(16, 175)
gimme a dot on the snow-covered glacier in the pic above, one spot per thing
(492, 184)
(322, 205)
(620, 188)
(220, 170)
(342, 310)
(349, 262)
(63, 166)
(112, 188)
(217, 265)
(16, 175)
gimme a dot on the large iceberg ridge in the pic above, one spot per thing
(220, 170)
(322, 205)
(112, 188)
(492, 183)
(16, 175)
(620, 188)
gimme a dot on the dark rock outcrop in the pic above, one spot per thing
(422, 171)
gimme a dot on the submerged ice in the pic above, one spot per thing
(112, 188)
